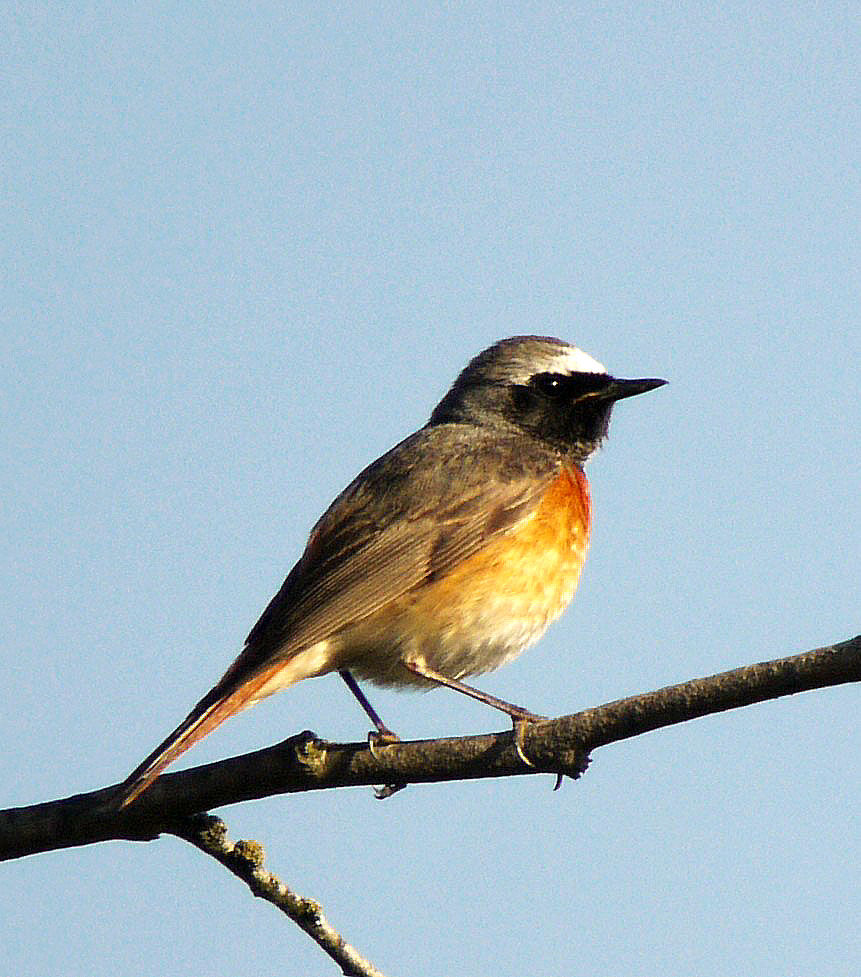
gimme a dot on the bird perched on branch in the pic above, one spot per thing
(445, 557)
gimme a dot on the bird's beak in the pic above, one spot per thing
(620, 389)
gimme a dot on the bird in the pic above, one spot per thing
(444, 558)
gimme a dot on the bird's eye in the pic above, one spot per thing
(550, 385)
(569, 387)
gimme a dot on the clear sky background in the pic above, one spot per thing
(245, 250)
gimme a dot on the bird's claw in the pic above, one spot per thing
(376, 740)
(381, 793)
(381, 738)
(519, 724)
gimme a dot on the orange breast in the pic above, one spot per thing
(542, 558)
(501, 600)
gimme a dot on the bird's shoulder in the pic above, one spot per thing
(438, 470)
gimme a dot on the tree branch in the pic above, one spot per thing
(305, 762)
(245, 860)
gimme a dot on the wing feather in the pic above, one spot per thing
(381, 539)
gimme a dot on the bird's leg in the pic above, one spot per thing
(517, 713)
(383, 734)
(383, 730)
(519, 716)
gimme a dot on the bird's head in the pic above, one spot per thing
(543, 386)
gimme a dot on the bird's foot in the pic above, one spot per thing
(381, 738)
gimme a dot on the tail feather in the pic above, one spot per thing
(212, 710)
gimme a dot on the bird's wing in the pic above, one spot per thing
(426, 506)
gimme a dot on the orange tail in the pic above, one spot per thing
(212, 710)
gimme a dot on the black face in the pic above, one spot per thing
(570, 411)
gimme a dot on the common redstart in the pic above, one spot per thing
(444, 558)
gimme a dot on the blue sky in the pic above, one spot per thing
(246, 252)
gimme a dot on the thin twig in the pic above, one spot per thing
(245, 860)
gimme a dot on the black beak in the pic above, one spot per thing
(620, 389)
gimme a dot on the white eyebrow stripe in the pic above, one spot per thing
(574, 360)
